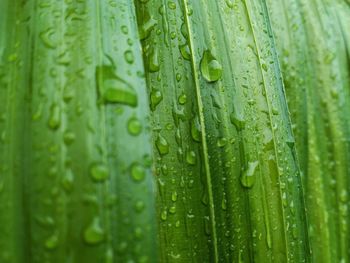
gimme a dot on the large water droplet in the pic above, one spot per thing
(94, 233)
(67, 180)
(248, 176)
(55, 116)
(191, 157)
(185, 51)
(99, 172)
(129, 56)
(109, 255)
(237, 120)
(196, 129)
(138, 172)
(156, 98)
(162, 145)
(154, 61)
(182, 99)
(139, 206)
(68, 137)
(211, 68)
(134, 126)
(146, 28)
(52, 241)
(221, 142)
(47, 37)
(164, 215)
(174, 196)
(113, 88)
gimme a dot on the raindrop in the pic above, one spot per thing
(146, 28)
(221, 142)
(68, 137)
(113, 88)
(129, 56)
(248, 176)
(185, 51)
(182, 99)
(67, 180)
(237, 120)
(191, 157)
(154, 61)
(162, 145)
(156, 98)
(99, 172)
(210, 67)
(52, 241)
(94, 233)
(55, 116)
(195, 130)
(134, 126)
(138, 173)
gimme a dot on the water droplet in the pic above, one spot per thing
(229, 3)
(162, 145)
(138, 232)
(47, 38)
(191, 157)
(185, 52)
(99, 172)
(38, 112)
(129, 56)
(138, 172)
(237, 120)
(182, 99)
(172, 210)
(248, 176)
(178, 77)
(55, 116)
(67, 180)
(172, 35)
(52, 241)
(94, 233)
(224, 204)
(139, 206)
(156, 98)
(164, 215)
(68, 93)
(184, 30)
(124, 29)
(196, 130)
(154, 61)
(113, 88)
(221, 142)
(68, 137)
(146, 28)
(211, 68)
(174, 196)
(109, 255)
(172, 5)
(134, 126)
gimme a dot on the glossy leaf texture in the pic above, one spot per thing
(313, 47)
(229, 187)
(76, 182)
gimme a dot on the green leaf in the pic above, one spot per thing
(245, 182)
(77, 156)
(313, 49)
